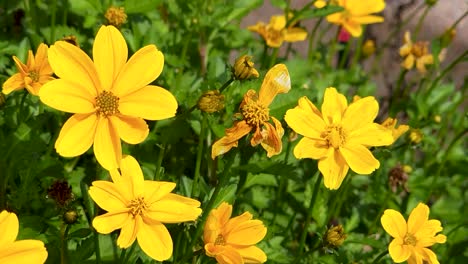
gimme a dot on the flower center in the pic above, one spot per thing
(34, 75)
(107, 104)
(255, 113)
(420, 49)
(138, 206)
(274, 35)
(334, 135)
(409, 239)
(220, 240)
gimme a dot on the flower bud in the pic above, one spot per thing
(437, 118)
(116, 16)
(244, 68)
(70, 217)
(416, 136)
(368, 48)
(335, 236)
(211, 101)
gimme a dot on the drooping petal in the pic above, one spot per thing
(429, 256)
(155, 241)
(150, 102)
(252, 254)
(310, 148)
(229, 255)
(368, 19)
(24, 252)
(111, 221)
(418, 218)
(276, 81)
(246, 233)
(295, 34)
(71, 63)
(229, 141)
(333, 168)
(360, 113)
(132, 130)
(155, 190)
(108, 196)
(129, 231)
(107, 146)
(354, 28)
(359, 159)
(68, 96)
(398, 251)
(109, 54)
(42, 63)
(305, 122)
(76, 135)
(9, 225)
(334, 105)
(15, 82)
(22, 68)
(174, 208)
(272, 138)
(142, 68)
(394, 223)
(364, 7)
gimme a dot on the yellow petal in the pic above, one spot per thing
(132, 176)
(174, 208)
(354, 28)
(68, 96)
(246, 233)
(408, 63)
(276, 81)
(150, 102)
(216, 220)
(370, 135)
(272, 138)
(71, 63)
(22, 68)
(295, 34)
(274, 42)
(429, 256)
(418, 218)
(252, 254)
(15, 82)
(278, 22)
(334, 105)
(76, 135)
(9, 225)
(405, 50)
(108, 196)
(359, 158)
(229, 141)
(305, 122)
(142, 68)
(111, 221)
(394, 223)
(24, 252)
(107, 148)
(129, 231)
(364, 7)
(229, 255)
(232, 223)
(109, 54)
(398, 251)
(360, 113)
(336, 18)
(155, 241)
(132, 130)
(333, 168)
(368, 19)
(310, 148)
(42, 62)
(155, 190)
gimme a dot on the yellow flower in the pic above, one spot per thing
(357, 13)
(416, 136)
(244, 68)
(109, 98)
(415, 53)
(21, 251)
(275, 33)
(31, 76)
(340, 136)
(412, 238)
(255, 112)
(320, 4)
(139, 208)
(232, 240)
(390, 123)
(116, 16)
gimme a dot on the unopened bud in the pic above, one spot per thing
(244, 68)
(416, 136)
(335, 236)
(368, 48)
(211, 101)
(116, 16)
(70, 217)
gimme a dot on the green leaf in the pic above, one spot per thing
(80, 233)
(141, 6)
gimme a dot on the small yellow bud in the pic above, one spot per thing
(437, 118)
(72, 40)
(416, 136)
(368, 48)
(70, 217)
(407, 169)
(116, 16)
(211, 101)
(244, 68)
(356, 98)
(320, 4)
(335, 236)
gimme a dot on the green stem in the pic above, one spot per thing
(64, 244)
(157, 174)
(396, 91)
(381, 255)
(446, 70)
(283, 183)
(332, 50)
(309, 215)
(201, 140)
(226, 84)
(129, 254)
(310, 51)
(345, 54)
(459, 20)
(357, 53)
(53, 11)
(420, 21)
(97, 248)
(273, 57)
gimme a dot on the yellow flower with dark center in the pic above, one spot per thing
(411, 239)
(140, 208)
(211, 101)
(244, 68)
(390, 123)
(357, 13)
(31, 76)
(22, 251)
(276, 32)
(339, 136)
(232, 240)
(415, 54)
(116, 16)
(255, 113)
(110, 97)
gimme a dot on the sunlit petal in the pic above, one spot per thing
(334, 105)
(111, 221)
(394, 223)
(155, 241)
(246, 233)
(310, 148)
(154, 191)
(333, 168)
(252, 254)
(132, 130)
(398, 251)
(360, 113)
(108, 196)
(371, 134)
(9, 225)
(174, 208)
(68, 96)
(418, 217)
(359, 159)
(229, 141)
(24, 252)
(15, 82)
(129, 231)
(276, 81)
(107, 146)
(76, 135)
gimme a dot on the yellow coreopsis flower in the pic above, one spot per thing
(415, 54)
(411, 239)
(140, 208)
(256, 116)
(110, 97)
(31, 76)
(276, 32)
(232, 240)
(397, 131)
(21, 251)
(357, 13)
(339, 136)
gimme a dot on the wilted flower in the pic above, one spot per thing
(211, 101)
(276, 32)
(116, 16)
(256, 116)
(416, 136)
(368, 48)
(32, 75)
(398, 177)
(60, 192)
(390, 123)
(21, 251)
(244, 68)
(412, 239)
(232, 240)
(335, 236)
(415, 54)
